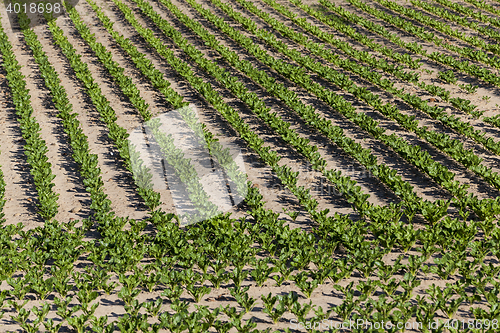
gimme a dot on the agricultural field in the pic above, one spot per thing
(250, 166)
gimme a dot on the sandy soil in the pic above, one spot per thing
(74, 201)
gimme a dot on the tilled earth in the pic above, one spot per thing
(74, 201)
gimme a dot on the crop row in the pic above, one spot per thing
(462, 104)
(187, 259)
(452, 147)
(329, 75)
(442, 27)
(464, 66)
(2, 197)
(35, 147)
(341, 26)
(463, 22)
(141, 174)
(485, 6)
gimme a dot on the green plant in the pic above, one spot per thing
(63, 309)
(79, 322)
(274, 312)
(262, 271)
(307, 287)
(447, 76)
(293, 215)
(153, 307)
(197, 291)
(173, 293)
(471, 89)
(243, 299)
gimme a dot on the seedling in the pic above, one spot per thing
(471, 89)
(153, 307)
(79, 322)
(274, 313)
(51, 327)
(197, 292)
(128, 295)
(279, 279)
(307, 287)
(390, 287)
(447, 76)
(133, 308)
(245, 301)
(85, 297)
(478, 113)
(173, 293)
(63, 309)
(301, 311)
(262, 271)
(218, 277)
(99, 324)
(238, 275)
(293, 215)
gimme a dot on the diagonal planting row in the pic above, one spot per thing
(35, 148)
(463, 21)
(246, 43)
(101, 16)
(341, 26)
(139, 28)
(143, 180)
(257, 213)
(232, 58)
(452, 147)
(348, 303)
(287, 96)
(477, 55)
(464, 66)
(117, 134)
(294, 250)
(442, 215)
